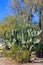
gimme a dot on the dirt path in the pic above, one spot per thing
(3, 62)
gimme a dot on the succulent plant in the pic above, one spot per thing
(24, 42)
(25, 35)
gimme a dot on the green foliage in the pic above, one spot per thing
(23, 43)
(6, 53)
(7, 25)
(25, 34)
(18, 54)
(22, 38)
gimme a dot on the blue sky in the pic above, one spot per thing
(4, 9)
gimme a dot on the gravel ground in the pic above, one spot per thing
(6, 62)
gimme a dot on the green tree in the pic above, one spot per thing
(22, 10)
(7, 25)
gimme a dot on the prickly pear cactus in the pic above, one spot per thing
(26, 35)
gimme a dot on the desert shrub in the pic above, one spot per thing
(24, 41)
(17, 53)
